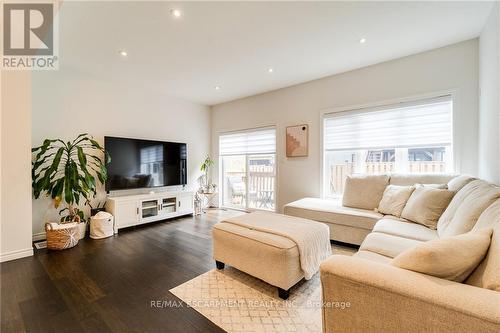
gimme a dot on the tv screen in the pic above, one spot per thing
(144, 163)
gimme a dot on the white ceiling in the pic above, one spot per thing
(232, 44)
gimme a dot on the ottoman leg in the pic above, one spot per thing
(219, 265)
(283, 294)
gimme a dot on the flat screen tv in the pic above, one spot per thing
(144, 163)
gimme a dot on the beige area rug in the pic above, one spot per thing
(238, 302)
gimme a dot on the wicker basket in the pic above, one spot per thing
(60, 239)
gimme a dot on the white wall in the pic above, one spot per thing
(66, 103)
(15, 224)
(489, 103)
(453, 67)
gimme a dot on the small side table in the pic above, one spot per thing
(208, 200)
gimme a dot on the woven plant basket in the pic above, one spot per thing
(60, 239)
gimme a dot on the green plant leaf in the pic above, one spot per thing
(57, 189)
(81, 157)
(57, 160)
(96, 144)
(68, 183)
(79, 138)
(43, 148)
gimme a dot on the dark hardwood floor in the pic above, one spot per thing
(108, 285)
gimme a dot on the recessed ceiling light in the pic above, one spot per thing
(176, 12)
(362, 40)
(270, 70)
(217, 87)
(123, 53)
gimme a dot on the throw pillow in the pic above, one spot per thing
(426, 204)
(394, 199)
(451, 258)
(364, 192)
(487, 274)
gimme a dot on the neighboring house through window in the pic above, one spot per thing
(413, 137)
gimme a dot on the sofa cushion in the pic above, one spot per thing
(487, 274)
(387, 245)
(457, 183)
(490, 217)
(394, 199)
(364, 191)
(372, 256)
(466, 207)
(426, 205)
(332, 211)
(405, 229)
(452, 258)
(415, 178)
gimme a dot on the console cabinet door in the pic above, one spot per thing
(126, 213)
(184, 204)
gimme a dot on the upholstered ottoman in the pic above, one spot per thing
(264, 254)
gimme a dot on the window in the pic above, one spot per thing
(411, 137)
(248, 169)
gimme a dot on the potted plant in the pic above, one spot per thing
(205, 167)
(67, 172)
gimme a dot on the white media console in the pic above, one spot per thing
(138, 209)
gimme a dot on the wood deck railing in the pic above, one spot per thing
(339, 172)
(261, 186)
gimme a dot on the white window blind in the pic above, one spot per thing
(417, 124)
(261, 141)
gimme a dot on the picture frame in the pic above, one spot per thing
(297, 141)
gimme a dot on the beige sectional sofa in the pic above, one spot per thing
(351, 224)
(384, 297)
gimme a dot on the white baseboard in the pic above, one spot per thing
(39, 236)
(16, 254)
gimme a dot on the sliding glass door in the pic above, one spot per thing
(234, 175)
(248, 169)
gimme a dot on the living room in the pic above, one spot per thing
(326, 158)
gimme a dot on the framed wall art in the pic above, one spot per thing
(297, 138)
